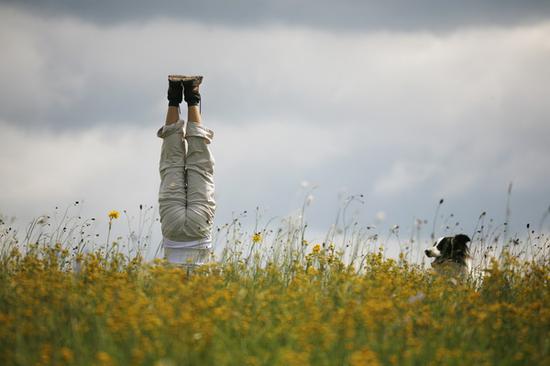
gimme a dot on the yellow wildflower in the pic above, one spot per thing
(103, 358)
(67, 355)
(257, 237)
(316, 248)
(364, 356)
(114, 214)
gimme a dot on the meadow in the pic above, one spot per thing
(272, 298)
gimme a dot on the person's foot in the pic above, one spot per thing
(175, 92)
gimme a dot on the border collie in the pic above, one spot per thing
(451, 254)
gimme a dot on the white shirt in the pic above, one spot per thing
(205, 243)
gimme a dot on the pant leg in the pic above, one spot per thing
(199, 169)
(172, 195)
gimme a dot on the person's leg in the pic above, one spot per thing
(199, 168)
(172, 115)
(172, 197)
(194, 114)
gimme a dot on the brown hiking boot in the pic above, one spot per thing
(175, 93)
(190, 87)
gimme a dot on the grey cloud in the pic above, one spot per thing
(340, 110)
(70, 74)
(337, 15)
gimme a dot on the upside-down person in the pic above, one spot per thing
(186, 194)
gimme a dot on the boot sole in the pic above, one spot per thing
(196, 80)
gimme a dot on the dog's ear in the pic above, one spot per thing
(460, 240)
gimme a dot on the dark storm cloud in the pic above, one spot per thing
(343, 15)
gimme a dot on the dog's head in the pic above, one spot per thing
(450, 248)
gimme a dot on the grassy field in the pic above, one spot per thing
(299, 304)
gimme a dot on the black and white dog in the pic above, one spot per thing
(451, 254)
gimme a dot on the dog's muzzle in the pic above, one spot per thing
(431, 253)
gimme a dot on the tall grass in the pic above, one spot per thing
(272, 297)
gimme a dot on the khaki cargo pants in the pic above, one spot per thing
(186, 194)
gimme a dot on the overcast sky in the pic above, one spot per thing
(406, 103)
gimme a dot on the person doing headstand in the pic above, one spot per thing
(186, 194)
